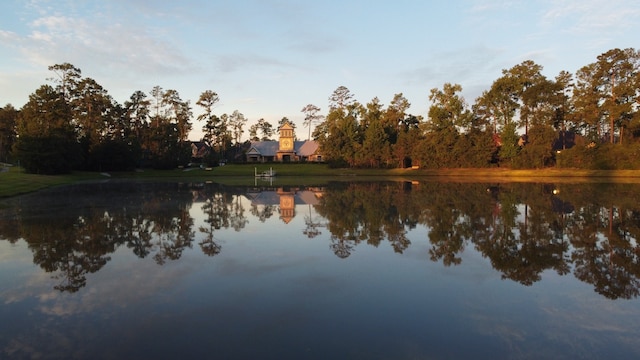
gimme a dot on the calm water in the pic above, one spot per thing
(394, 270)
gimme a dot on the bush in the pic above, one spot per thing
(338, 164)
(601, 157)
(50, 155)
(113, 155)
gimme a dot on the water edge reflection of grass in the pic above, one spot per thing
(15, 181)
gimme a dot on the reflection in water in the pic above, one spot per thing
(588, 230)
(265, 201)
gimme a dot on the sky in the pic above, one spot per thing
(270, 58)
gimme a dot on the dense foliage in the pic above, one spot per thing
(524, 120)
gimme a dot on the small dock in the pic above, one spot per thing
(264, 174)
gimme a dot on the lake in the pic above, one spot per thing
(344, 270)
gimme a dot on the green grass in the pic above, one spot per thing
(303, 170)
(248, 170)
(15, 181)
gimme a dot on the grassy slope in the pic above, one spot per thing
(15, 181)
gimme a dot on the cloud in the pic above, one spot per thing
(591, 16)
(247, 62)
(484, 6)
(314, 44)
(7, 37)
(463, 66)
(95, 39)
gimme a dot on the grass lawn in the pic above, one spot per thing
(14, 181)
(303, 170)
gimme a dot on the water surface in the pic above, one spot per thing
(373, 270)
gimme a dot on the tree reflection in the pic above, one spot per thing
(262, 212)
(607, 256)
(448, 230)
(366, 212)
(172, 236)
(590, 230)
(341, 247)
(214, 207)
(68, 256)
(312, 225)
(75, 235)
(523, 245)
(524, 229)
(138, 235)
(237, 218)
(223, 209)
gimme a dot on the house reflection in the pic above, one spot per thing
(286, 198)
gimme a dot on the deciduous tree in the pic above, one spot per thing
(375, 149)
(8, 118)
(339, 136)
(46, 136)
(91, 107)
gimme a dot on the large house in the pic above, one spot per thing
(286, 149)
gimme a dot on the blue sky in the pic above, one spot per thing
(270, 58)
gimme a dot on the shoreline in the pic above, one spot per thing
(15, 182)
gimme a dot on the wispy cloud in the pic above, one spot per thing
(313, 44)
(483, 6)
(102, 42)
(462, 66)
(7, 37)
(591, 16)
(235, 62)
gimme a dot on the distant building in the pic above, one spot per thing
(286, 149)
(199, 149)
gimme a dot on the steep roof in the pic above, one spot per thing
(264, 148)
(199, 149)
(270, 148)
(306, 148)
(286, 126)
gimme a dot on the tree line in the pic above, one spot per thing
(75, 124)
(524, 120)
